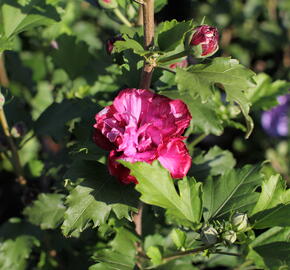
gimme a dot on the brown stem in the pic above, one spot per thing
(4, 81)
(137, 219)
(148, 22)
(140, 16)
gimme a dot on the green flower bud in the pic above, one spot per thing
(108, 3)
(209, 235)
(240, 222)
(229, 237)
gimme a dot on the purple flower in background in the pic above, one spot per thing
(276, 121)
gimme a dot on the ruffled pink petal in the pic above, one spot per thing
(108, 126)
(118, 170)
(132, 104)
(181, 114)
(173, 155)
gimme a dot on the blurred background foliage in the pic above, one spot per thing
(66, 62)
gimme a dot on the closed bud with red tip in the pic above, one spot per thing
(110, 43)
(203, 41)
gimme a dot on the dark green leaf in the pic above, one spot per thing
(47, 211)
(92, 201)
(16, 18)
(264, 95)
(276, 255)
(72, 56)
(121, 256)
(276, 216)
(274, 192)
(232, 192)
(215, 162)
(14, 253)
(157, 188)
(271, 236)
(159, 4)
(171, 34)
(53, 120)
(201, 81)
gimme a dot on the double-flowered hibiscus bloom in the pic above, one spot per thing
(143, 126)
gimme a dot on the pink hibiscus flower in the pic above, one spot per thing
(143, 126)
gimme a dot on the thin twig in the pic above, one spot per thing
(173, 57)
(4, 81)
(148, 22)
(167, 69)
(137, 219)
(140, 16)
(228, 253)
(196, 141)
(121, 17)
(187, 252)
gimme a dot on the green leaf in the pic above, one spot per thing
(157, 188)
(155, 255)
(215, 162)
(47, 211)
(276, 255)
(271, 236)
(276, 216)
(178, 237)
(92, 201)
(122, 253)
(53, 120)
(15, 253)
(273, 204)
(274, 192)
(17, 18)
(159, 4)
(232, 192)
(128, 44)
(172, 33)
(72, 56)
(264, 95)
(204, 117)
(201, 81)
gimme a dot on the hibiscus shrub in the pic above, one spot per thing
(102, 115)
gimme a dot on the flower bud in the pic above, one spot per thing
(209, 235)
(110, 43)
(18, 130)
(203, 41)
(240, 222)
(2, 100)
(108, 3)
(229, 237)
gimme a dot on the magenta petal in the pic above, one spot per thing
(118, 170)
(173, 155)
(143, 126)
(181, 115)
